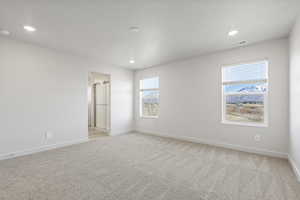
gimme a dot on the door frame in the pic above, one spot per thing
(92, 97)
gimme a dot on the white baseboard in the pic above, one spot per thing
(295, 168)
(218, 144)
(52, 146)
(120, 133)
(40, 149)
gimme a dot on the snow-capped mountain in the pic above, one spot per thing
(253, 88)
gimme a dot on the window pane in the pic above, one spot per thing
(245, 72)
(245, 88)
(245, 108)
(150, 103)
(149, 83)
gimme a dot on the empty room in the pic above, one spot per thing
(150, 100)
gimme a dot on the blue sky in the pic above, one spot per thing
(236, 87)
(150, 83)
(244, 72)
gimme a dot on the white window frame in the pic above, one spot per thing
(140, 98)
(266, 94)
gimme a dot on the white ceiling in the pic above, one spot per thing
(169, 30)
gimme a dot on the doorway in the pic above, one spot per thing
(98, 104)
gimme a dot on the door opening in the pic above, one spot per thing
(99, 104)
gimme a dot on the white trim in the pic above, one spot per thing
(266, 97)
(149, 117)
(245, 82)
(116, 133)
(148, 89)
(245, 123)
(52, 146)
(41, 149)
(294, 167)
(264, 152)
(109, 96)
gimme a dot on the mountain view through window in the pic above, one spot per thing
(245, 90)
(149, 97)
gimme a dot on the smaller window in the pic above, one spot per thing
(245, 92)
(149, 97)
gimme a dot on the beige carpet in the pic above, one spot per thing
(94, 133)
(139, 167)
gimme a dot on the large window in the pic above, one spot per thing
(245, 90)
(149, 97)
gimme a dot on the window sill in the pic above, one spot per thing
(264, 125)
(149, 117)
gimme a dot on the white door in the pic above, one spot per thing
(102, 106)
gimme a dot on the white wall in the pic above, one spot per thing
(295, 96)
(44, 90)
(190, 99)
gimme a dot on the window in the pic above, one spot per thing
(245, 89)
(149, 97)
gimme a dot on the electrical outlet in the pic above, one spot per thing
(48, 135)
(257, 138)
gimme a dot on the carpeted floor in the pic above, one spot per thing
(94, 133)
(140, 167)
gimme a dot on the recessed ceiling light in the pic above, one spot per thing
(29, 28)
(131, 61)
(134, 29)
(233, 32)
(4, 32)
